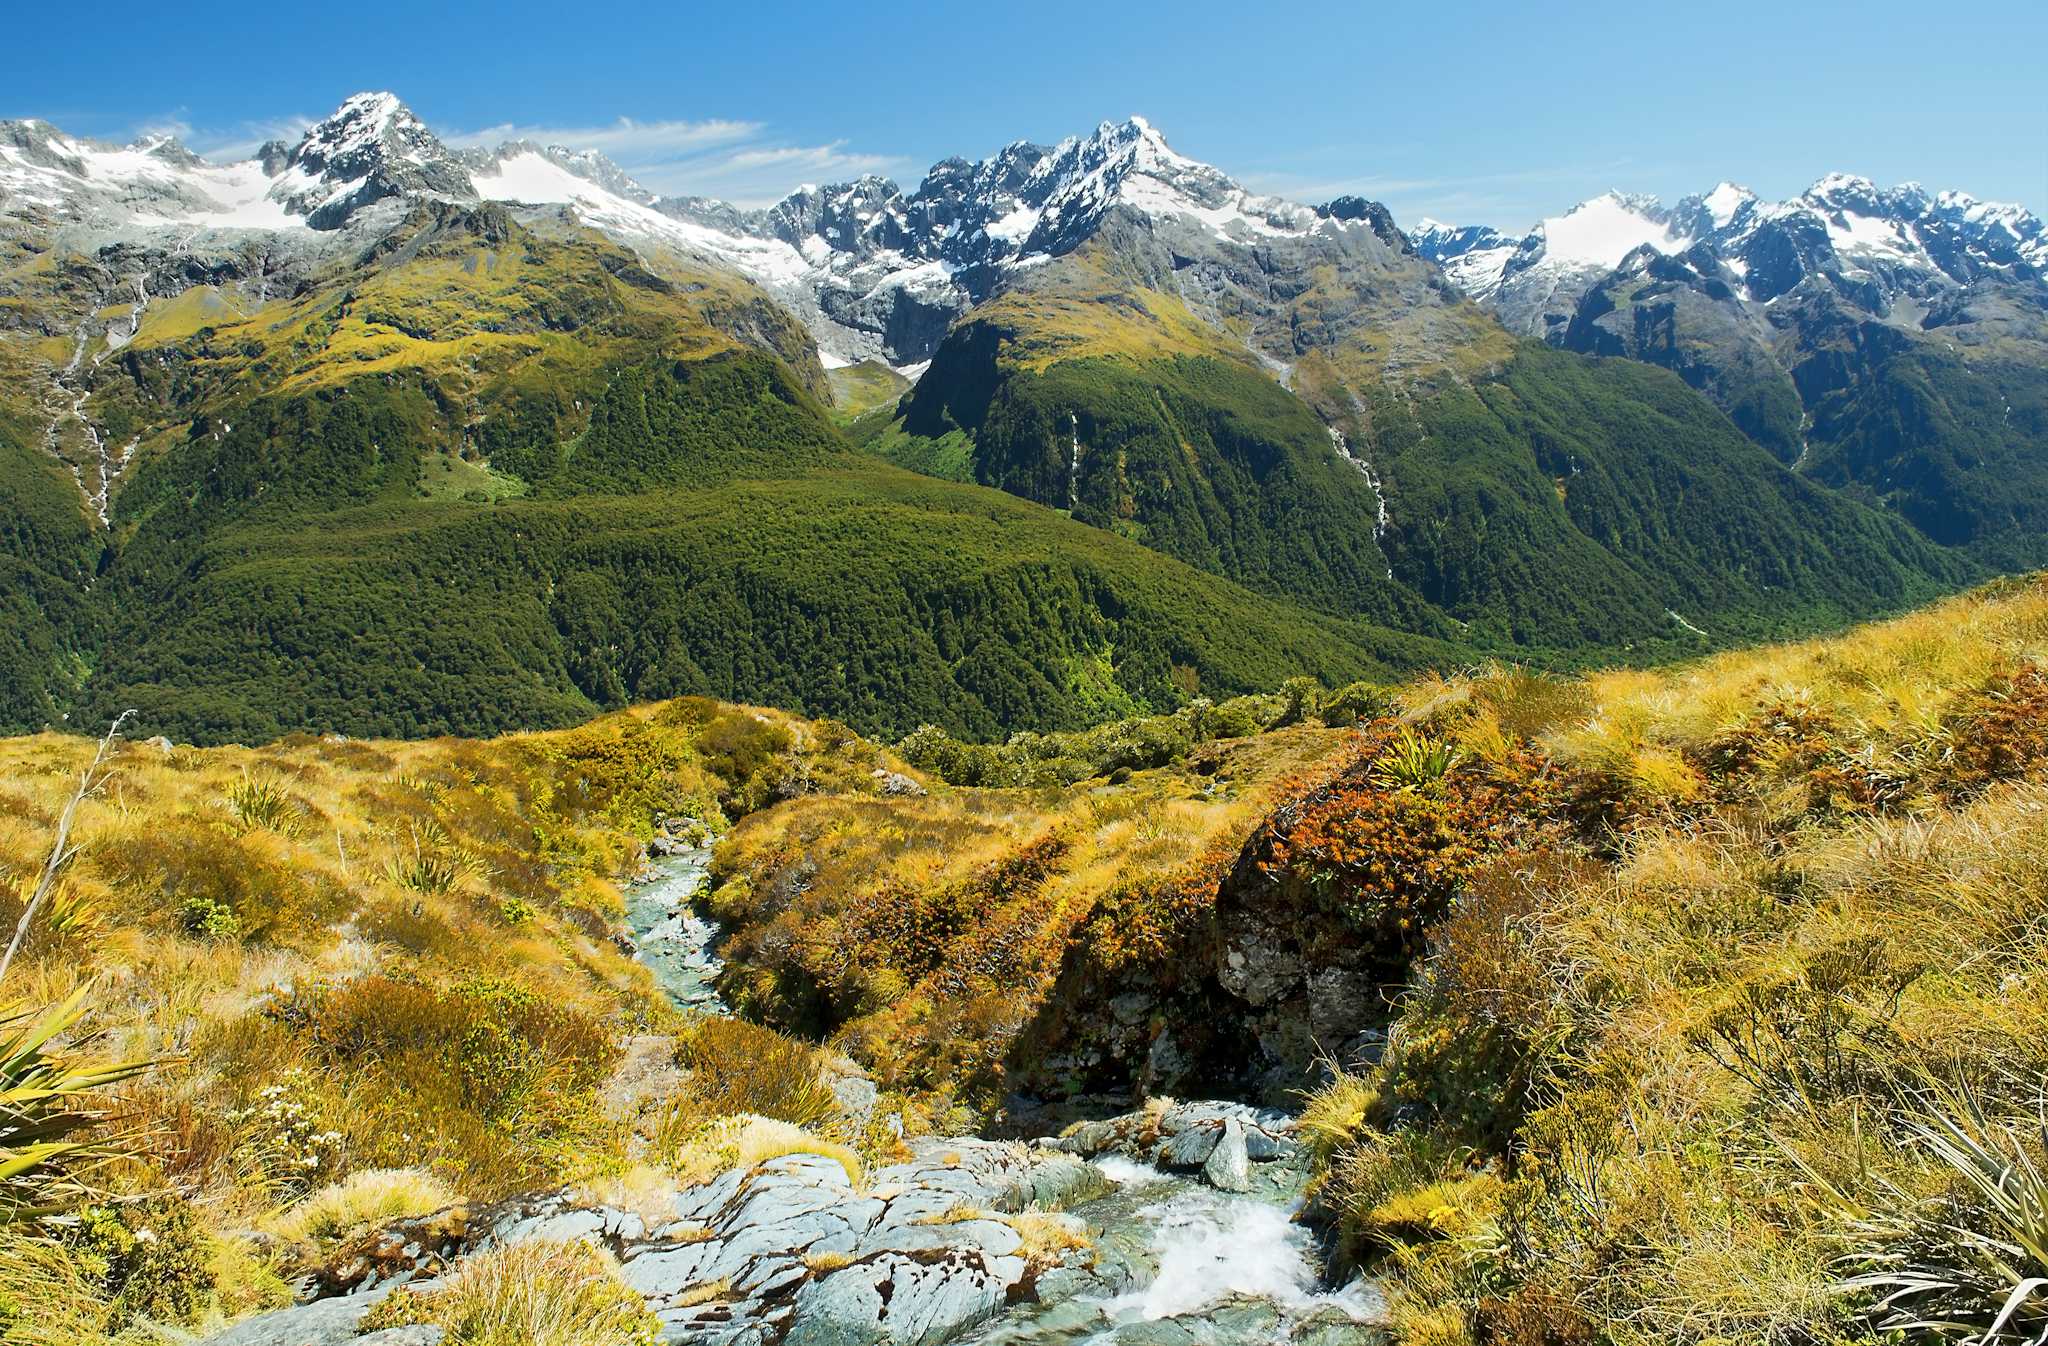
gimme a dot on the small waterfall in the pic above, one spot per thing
(1210, 1268)
(1213, 1248)
(1074, 464)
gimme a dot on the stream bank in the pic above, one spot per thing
(1170, 1226)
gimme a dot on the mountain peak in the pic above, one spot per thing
(369, 149)
(1600, 232)
(1832, 185)
(1725, 202)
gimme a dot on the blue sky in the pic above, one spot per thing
(1472, 112)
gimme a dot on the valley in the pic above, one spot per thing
(1112, 398)
(1079, 753)
(393, 1023)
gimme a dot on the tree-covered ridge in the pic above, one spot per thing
(1952, 441)
(709, 532)
(1200, 457)
(1569, 501)
(47, 555)
(494, 474)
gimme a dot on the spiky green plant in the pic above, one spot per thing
(46, 1112)
(1415, 762)
(260, 804)
(437, 865)
(46, 1109)
(1971, 1264)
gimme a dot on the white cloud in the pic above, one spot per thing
(1510, 200)
(622, 140)
(175, 126)
(737, 161)
(241, 141)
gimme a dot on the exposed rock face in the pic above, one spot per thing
(787, 1251)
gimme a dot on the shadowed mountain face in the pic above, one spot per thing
(1890, 343)
(373, 434)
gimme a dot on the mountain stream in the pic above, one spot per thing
(1177, 1262)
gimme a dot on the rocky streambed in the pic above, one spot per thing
(676, 941)
(1169, 1226)
(987, 1243)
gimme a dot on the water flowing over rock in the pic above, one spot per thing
(947, 1246)
(670, 936)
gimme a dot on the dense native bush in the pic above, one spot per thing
(1127, 745)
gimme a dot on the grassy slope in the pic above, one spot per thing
(1686, 1071)
(367, 956)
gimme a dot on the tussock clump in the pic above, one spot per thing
(699, 1151)
(535, 1293)
(362, 1200)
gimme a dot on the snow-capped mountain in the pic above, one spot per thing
(1813, 323)
(1889, 240)
(873, 271)
(881, 273)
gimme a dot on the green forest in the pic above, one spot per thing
(710, 533)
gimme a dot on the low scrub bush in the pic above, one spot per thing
(738, 1067)
(153, 1260)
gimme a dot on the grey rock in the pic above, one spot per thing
(324, 1322)
(1262, 1146)
(1191, 1148)
(1256, 970)
(900, 1300)
(1229, 1167)
(416, 1334)
(1091, 1138)
(991, 1237)
(897, 785)
(856, 1097)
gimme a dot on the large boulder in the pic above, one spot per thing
(786, 1250)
